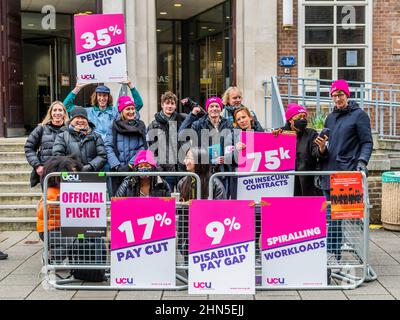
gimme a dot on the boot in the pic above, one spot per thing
(3, 256)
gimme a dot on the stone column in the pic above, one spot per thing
(141, 40)
(256, 55)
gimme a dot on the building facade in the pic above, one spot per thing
(194, 48)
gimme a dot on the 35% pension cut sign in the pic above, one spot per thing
(216, 230)
(127, 227)
(103, 38)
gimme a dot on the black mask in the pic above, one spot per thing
(301, 124)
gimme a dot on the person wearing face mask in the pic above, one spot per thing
(80, 141)
(39, 145)
(308, 151)
(144, 186)
(125, 139)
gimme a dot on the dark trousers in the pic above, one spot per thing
(335, 232)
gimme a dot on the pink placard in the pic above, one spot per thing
(266, 153)
(98, 31)
(138, 218)
(286, 221)
(222, 222)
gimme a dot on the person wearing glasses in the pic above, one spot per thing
(349, 148)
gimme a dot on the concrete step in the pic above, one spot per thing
(22, 165)
(15, 176)
(19, 198)
(379, 156)
(14, 156)
(21, 187)
(12, 147)
(394, 164)
(18, 211)
(17, 224)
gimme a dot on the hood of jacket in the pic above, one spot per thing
(134, 127)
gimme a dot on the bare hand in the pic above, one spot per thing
(79, 86)
(129, 83)
(277, 132)
(39, 170)
(196, 110)
(220, 160)
(240, 146)
(321, 142)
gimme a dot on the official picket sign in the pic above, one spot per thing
(265, 152)
(100, 48)
(143, 242)
(221, 247)
(294, 248)
(83, 205)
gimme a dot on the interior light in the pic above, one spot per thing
(178, 5)
(163, 13)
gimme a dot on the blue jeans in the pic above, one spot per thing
(335, 233)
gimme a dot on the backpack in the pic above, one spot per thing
(91, 251)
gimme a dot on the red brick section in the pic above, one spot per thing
(375, 196)
(386, 66)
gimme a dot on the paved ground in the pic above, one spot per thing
(20, 276)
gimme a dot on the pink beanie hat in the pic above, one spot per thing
(124, 102)
(145, 156)
(293, 110)
(340, 85)
(214, 100)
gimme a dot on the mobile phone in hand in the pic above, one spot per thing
(324, 132)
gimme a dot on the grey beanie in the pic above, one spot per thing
(78, 111)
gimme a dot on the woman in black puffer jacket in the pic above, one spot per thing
(39, 146)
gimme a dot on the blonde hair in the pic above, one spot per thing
(225, 97)
(94, 102)
(47, 119)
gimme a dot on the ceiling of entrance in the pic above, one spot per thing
(188, 9)
(62, 6)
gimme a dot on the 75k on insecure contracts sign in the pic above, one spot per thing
(83, 205)
(100, 48)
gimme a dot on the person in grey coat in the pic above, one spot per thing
(39, 145)
(82, 142)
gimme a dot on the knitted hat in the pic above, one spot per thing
(124, 102)
(78, 111)
(145, 156)
(293, 110)
(340, 85)
(214, 100)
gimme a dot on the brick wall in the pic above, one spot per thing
(375, 196)
(386, 66)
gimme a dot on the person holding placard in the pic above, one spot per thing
(39, 145)
(308, 150)
(81, 141)
(125, 139)
(102, 112)
(144, 186)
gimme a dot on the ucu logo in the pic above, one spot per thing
(124, 280)
(276, 280)
(71, 177)
(88, 76)
(202, 285)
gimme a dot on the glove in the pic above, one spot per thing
(122, 168)
(87, 168)
(362, 166)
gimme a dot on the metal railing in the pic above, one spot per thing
(380, 100)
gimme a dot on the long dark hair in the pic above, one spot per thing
(203, 169)
(59, 164)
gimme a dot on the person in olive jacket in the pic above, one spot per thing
(82, 142)
(39, 145)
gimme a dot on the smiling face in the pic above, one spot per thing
(340, 99)
(169, 107)
(214, 110)
(102, 99)
(189, 161)
(57, 115)
(80, 123)
(129, 113)
(235, 98)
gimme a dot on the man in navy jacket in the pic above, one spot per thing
(349, 148)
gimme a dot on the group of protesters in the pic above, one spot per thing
(104, 137)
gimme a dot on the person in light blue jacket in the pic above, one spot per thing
(102, 113)
(125, 139)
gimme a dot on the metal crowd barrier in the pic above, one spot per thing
(58, 250)
(353, 268)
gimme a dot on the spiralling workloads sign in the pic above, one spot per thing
(83, 205)
(143, 242)
(100, 48)
(294, 251)
(221, 247)
(266, 153)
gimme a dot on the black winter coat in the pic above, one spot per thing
(130, 187)
(39, 147)
(218, 188)
(350, 140)
(161, 126)
(88, 149)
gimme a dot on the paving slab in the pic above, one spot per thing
(281, 298)
(139, 295)
(390, 281)
(230, 297)
(184, 298)
(322, 295)
(371, 297)
(95, 294)
(16, 291)
(372, 288)
(394, 292)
